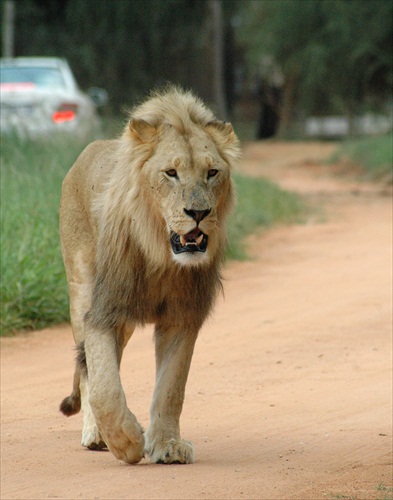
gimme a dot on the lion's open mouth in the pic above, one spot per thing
(194, 241)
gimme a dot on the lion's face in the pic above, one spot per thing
(191, 187)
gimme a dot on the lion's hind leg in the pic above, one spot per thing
(91, 436)
(80, 303)
(79, 398)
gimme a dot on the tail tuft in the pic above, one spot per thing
(70, 405)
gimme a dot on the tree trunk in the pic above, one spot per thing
(218, 65)
(286, 108)
(8, 28)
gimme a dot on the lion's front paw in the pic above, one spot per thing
(125, 441)
(174, 451)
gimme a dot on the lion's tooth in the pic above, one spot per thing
(199, 240)
(182, 240)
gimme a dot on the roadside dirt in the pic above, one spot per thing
(290, 390)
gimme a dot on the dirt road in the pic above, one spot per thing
(290, 390)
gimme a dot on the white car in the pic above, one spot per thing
(39, 96)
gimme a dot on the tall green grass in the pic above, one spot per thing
(373, 154)
(33, 285)
(260, 203)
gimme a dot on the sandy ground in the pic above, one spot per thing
(290, 390)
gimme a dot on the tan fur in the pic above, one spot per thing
(118, 211)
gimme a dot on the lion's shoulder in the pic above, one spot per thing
(93, 165)
(95, 155)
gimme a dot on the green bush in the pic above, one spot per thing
(33, 285)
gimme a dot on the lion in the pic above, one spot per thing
(142, 227)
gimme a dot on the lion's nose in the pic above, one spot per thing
(198, 215)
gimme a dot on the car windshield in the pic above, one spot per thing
(30, 77)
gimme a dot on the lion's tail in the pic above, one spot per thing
(72, 404)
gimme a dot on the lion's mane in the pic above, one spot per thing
(131, 232)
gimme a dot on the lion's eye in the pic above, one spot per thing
(171, 172)
(212, 172)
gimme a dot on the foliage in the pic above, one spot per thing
(334, 55)
(126, 47)
(33, 289)
(373, 154)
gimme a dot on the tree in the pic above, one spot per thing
(218, 65)
(130, 46)
(8, 28)
(333, 54)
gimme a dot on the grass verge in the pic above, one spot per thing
(33, 285)
(373, 154)
(260, 204)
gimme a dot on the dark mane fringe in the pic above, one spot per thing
(178, 295)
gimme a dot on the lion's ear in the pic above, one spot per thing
(225, 138)
(224, 128)
(142, 131)
(222, 132)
